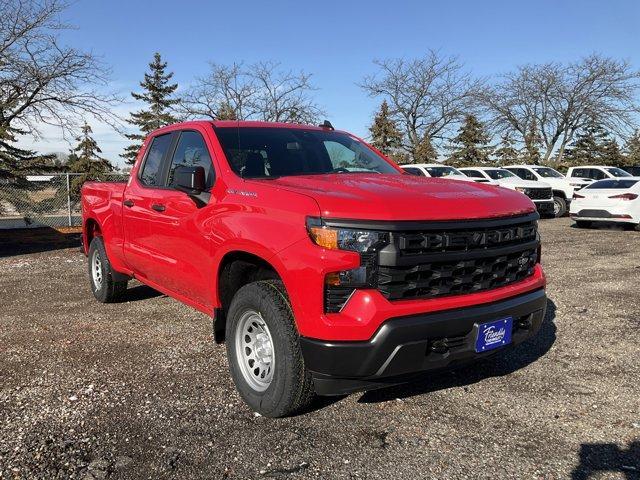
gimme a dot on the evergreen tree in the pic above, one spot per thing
(226, 112)
(593, 146)
(15, 162)
(471, 145)
(85, 159)
(532, 143)
(158, 95)
(425, 152)
(506, 153)
(632, 149)
(385, 135)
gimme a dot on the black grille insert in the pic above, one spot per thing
(539, 193)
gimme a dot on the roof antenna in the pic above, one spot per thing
(326, 124)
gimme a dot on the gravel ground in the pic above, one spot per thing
(138, 389)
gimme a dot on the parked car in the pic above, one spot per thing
(320, 278)
(609, 200)
(539, 192)
(435, 170)
(592, 173)
(561, 186)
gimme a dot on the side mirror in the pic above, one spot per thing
(189, 179)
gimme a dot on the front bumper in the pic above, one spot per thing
(407, 345)
(604, 215)
(544, 207)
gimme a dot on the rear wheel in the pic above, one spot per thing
(103, 286)
(583, 224)
(559, 206)
(263, 350)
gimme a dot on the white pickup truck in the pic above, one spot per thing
(562, 187)
(538, 192)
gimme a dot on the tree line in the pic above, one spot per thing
(431, 108)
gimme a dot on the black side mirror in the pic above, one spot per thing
(189, 179)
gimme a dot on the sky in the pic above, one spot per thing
(336, 42)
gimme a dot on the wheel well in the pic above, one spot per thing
(92, 229)
(237, 269)
(559, 193)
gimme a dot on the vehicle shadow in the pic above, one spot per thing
(36, 240)
(502, 363)
(598, 458)
(138, 293)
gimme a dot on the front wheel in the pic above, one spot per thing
(103, 286)
(559, 206)
(263, 350)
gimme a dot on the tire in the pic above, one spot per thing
(560, 206)
(103, 286)
(277, 383)
(583, 224)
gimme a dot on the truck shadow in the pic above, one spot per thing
(502, 364)
(598, 458)
(36, 240)
(139, 292)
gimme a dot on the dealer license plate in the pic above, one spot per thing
(494, 334)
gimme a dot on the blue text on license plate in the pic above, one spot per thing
(494, 334)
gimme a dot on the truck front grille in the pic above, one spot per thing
(539, 193)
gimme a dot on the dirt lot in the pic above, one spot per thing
(138, 389)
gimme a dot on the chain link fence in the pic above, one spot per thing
(45, 200)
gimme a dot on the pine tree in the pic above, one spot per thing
(532, 143)
(506, 153)
(226, 112)
(471, 145)
(425, 152)
(593, 146)
(15, 162)
(158, 95)
(632, 149)
(85, 159)
(385, 135)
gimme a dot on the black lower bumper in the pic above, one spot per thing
(545, 208)
(408, 345)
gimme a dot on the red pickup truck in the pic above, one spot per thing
(326, 269)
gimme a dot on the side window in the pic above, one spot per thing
(580, 172)
(597, 174)
(191, 151)
(153, 161)
(517, 172)
(473, 173)
(414, 171)
(528, 175)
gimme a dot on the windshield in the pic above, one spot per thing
(617, 172)
(277, 152)
(547, 172)
(498, 173)
(443, 171)
(612, 184)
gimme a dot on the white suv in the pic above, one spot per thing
(538, 192)
(592, 173)
(561, 186)
(435, 170)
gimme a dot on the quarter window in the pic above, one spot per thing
(414, 171)
(191, 151)
(153, 162)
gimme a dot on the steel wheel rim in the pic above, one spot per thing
(96, 270)
(556, 207)
(255, 354)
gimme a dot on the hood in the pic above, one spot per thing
(403, 197)
(519, 182)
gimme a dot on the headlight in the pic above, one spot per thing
(355, 240)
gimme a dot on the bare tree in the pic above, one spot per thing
(41, 81)
(225, 89)
(557, 100)
(427, 95)
(261, 91)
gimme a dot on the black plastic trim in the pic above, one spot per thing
(401, 345)
(427, 225)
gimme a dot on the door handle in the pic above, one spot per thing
(158, 207)
(128, 203)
